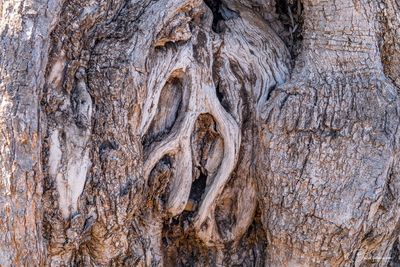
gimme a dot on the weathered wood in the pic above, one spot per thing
(199, 133)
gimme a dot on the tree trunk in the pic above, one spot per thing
(199, 133)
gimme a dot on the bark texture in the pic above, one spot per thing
(199, 133)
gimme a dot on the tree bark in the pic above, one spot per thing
(199, 133)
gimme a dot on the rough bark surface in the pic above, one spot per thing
(199, 133)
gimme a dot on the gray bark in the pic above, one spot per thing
(199, 133)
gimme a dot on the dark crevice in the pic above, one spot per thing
(198, 188)
(219, 88)
(206, 142)
(181, 247)
(215, 6)
(221, 97)
(253, 242)
(180, 244)
(281, 6)
(290, 14)
(395, 254)
(107, 145)
(220, 13)
(271, 89)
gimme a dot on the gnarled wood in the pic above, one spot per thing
(199, 133)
